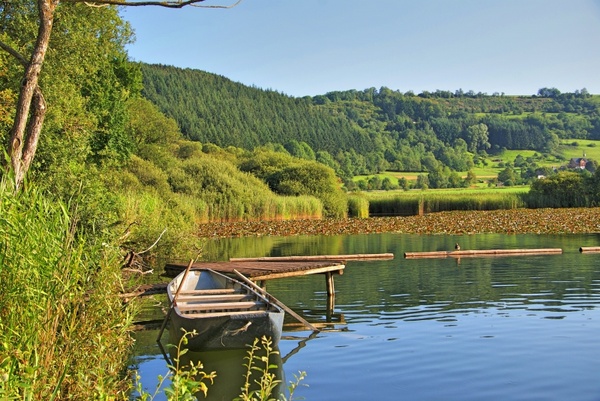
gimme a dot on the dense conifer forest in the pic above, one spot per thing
(371, 130)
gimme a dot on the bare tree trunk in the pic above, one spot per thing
(31, 107)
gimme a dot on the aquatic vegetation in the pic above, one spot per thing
(515, 221)
(186, 380)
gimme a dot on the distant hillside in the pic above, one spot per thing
(359, 132)
(212, 108)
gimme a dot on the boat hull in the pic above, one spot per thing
(220, 323)
(227, 332)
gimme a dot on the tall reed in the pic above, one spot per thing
(63, 330)
(431, 202)
(358, 206)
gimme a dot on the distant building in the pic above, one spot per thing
(578, 163)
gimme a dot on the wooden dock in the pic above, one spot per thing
(261, 271)
(482, 253)
(269, 268)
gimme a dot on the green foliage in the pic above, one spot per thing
(59, 305)
(565, 189)
(372, 130)
(147, 125)
(187, 381)
(288, 176)
(267, 380)
(211, 108)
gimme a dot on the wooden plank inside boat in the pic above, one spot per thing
(213, 298)
(219, 306)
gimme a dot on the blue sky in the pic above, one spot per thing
(311, 47)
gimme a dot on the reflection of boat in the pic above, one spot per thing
(224, 312)
(230, 370)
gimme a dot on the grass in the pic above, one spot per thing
(63, 329)
(590, 148)
(404, 203)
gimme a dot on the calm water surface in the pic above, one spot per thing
(495, 328)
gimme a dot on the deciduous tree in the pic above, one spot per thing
(30, 109)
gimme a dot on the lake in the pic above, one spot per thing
(504, 327)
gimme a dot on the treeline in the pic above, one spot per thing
(372, 130)
(211, 108)
(564, 189)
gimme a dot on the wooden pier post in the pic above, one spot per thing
(330, 285)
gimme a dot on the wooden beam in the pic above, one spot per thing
(483, 252)
(188, 306)
(335, 268)
(589, 249)
(271, 298)
(359, 256)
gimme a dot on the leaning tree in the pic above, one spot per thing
(30, 108)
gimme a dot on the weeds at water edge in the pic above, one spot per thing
(187, 381)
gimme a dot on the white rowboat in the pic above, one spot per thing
(226, 313)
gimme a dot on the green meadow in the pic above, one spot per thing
(568, 149)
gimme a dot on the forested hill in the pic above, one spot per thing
(212, 108)
(373, 129)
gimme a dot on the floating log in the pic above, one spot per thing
(358, 256)
(482, 252)
(589, 249)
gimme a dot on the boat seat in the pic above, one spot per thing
(213, 291)
(256, 313)
(213, 298)
(219, 306)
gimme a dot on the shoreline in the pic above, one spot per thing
(514, 221)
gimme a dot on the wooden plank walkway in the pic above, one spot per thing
(270, 268)
(262, 270)
(340, 258)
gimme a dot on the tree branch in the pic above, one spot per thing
(13, 53)
(159, 3)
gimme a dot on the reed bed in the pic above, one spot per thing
(63, 330)
(419, 203)
(358, 206)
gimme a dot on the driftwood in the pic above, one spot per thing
(143, 291)
(133, 262)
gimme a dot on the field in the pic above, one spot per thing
(569, 148)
